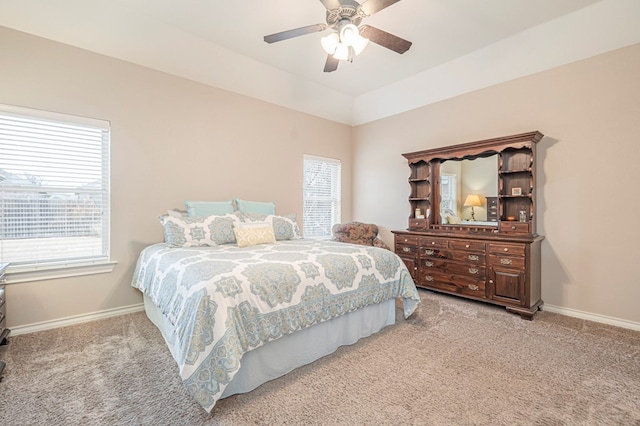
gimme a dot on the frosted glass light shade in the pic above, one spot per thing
(348, 34)
(359, 44)
(342, 52)
(330, 43)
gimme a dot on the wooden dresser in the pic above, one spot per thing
(495, 261)
(4, 331)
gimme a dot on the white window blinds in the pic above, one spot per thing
(321, 196)
(54, 189)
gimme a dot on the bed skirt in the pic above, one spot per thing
(291, 351)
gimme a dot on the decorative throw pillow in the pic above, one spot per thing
(255, 207)
(208, 208)
(254, 235)
(284, 227)
(186, 231)
(221, 228)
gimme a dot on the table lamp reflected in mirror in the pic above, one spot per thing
(472, 201)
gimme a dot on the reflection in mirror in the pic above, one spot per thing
(461, 178)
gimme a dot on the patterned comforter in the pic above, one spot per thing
(224, 301)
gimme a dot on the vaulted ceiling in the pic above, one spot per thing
(458, 45)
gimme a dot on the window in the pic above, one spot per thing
(448, 192)
(321, 196)
(54, 193)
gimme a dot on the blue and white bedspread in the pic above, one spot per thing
(225, 301)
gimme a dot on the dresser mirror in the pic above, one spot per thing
(468, 189)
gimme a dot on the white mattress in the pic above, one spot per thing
(291, 351)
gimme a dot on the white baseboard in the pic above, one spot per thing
(77, 319)
(592, 317)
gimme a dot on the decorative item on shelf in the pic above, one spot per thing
(419, 214)
(511, 218)
(523, 216)
(472, 201)
(516, 191)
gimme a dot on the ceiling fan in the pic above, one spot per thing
(348, 38)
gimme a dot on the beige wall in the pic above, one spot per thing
(172, 139)
(588, 166)
(587, 163)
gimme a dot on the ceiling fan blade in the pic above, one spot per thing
(330, 4)
(385, 39)
(284, 35)
(332, 64)
(372, 6)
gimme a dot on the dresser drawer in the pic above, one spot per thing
(403, 250)
(434, 243)
(506, 249)
(434, 253)
(418, 224)
(406, 239)
(507, 261)
(473, 271)
(454, 283)
(433, 264)
(514, 227)
(460, 256)
(467, 245)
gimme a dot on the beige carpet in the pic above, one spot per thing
(454, 362)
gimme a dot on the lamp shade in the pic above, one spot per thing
(472, 200)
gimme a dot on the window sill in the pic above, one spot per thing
(59, 271)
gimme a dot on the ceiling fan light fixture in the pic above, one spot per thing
(342, 52)
(349, 34)
(330, 43)
(359, 44)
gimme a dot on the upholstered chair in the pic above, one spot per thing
(358, 233)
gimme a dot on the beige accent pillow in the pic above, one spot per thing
(254, 235)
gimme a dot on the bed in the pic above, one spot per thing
(235, 317)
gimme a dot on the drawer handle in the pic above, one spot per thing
(428, 278)
(433, 243)
(428, 264)
(473, 257)
(514, 228)
(473, 271)
(429, 252)
(406, 240)
(506, 261)
(473, 287)
(506, 249)
(406, 249)
(467, 246)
